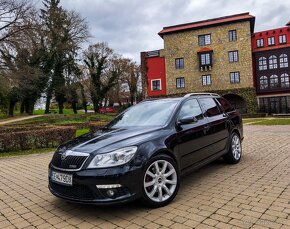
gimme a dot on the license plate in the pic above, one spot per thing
(62, 178)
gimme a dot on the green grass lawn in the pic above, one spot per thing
(26, 152)
(266, 121)
(55, 111)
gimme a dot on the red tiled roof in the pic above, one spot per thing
(209, 22)
(205, 49)
(271, 47)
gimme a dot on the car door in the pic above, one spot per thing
(217, 127)
(191, 137)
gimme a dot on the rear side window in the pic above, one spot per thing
(210, 107)
(225, 104)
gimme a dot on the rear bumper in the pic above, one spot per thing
(84, 189)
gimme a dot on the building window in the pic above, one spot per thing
(274, 81)
(271, 40)
(273, 63)
(263, 82)
(232, 35)
(180, 83)
(284, 80)
(233, 56)
(282, 39)
(235, 77)
(262, 63)
(205, 59)
(179, 63)
(260, 42)
(156, 85)
(283, 61)
(206, 80)
(204, 40)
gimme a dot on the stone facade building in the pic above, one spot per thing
(207, 56)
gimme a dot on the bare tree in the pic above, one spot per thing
(105, 68)
(12, 17)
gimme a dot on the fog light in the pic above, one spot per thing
(108, 186)
(110, 193)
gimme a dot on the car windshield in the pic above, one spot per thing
(151, 113)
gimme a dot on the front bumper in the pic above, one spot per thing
(84, 188)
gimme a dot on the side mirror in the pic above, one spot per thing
(187, 120)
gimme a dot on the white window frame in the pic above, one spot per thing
(273, 62)
(284, 78)
(180, 84)
(232, 35)
(260, 42)
(233, 56)
(235, 77)
(262, 63)
(283, 60)
(274, 81)
(264, 82)
(152, 85)
(282, 39)
(204, 39)
(206, 80)
(271, 41)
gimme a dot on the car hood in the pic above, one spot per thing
(107, 140)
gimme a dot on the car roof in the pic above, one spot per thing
(184, 97)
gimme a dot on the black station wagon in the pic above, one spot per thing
(145, 150)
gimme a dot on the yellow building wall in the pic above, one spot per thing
(185, 45)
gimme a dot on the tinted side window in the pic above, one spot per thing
(190, 108)
(210, 106)
(225, 104)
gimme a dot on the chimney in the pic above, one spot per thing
(288, 24)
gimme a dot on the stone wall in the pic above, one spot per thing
(185, 45)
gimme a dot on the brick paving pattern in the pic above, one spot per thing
(252, 194)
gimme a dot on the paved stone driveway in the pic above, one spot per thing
(252, 194)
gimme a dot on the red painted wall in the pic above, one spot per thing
(265, 34)
(156, 70)
(270, 33)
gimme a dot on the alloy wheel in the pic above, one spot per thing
(236, 147)
(160, 181)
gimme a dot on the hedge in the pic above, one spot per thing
(24, 138)
(94, 126)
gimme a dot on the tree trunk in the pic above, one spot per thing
(48, 100)
(74, 107)
(26, 106)
(22, 107)
(31, 104)
(85, 107)
(132, 99)
(84, 101)
(11, 108)
(60, 107)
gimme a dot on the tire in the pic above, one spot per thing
(235, 150)
(160, 181)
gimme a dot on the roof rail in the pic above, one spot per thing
(193, 94)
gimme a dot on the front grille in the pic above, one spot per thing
(76, 191)
(69, 162)
(82, 192)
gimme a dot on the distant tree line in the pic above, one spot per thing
(41, 56)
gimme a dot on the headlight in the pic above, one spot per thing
(115, 158)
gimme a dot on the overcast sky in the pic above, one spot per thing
(131, 26)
